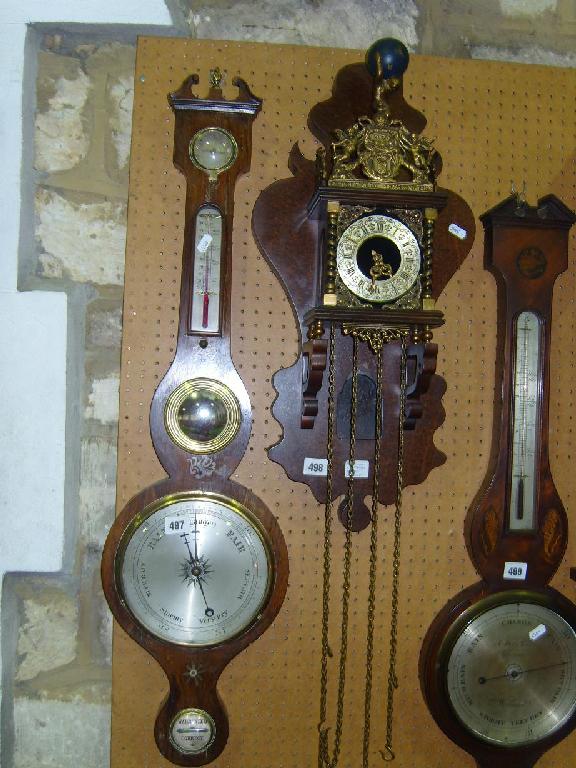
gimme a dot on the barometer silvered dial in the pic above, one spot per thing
(511, 670)
(195, 568)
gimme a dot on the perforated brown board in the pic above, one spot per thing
(493, 123)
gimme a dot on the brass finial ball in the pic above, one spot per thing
(387, 56)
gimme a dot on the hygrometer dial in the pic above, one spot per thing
(194, 569)
(213, 150)
(509, 667)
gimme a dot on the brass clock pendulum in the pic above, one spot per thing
(360, 406)
(195, 567)
(498, 664)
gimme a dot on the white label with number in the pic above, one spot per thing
(361, 469)
(204, 242)
(174, 525)
(315, 467)
(537, 632)
(517, 571)
(458, 232)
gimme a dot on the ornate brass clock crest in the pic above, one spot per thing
(356, 237)
(195, 566)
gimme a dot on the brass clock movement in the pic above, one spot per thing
(362, 241)
(498, 665)
(195, 566)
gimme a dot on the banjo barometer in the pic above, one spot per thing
(195, 566)
(498, 665)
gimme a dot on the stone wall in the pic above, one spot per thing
(56, 637)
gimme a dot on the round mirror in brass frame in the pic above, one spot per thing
(202, 416)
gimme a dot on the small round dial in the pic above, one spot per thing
(378, 258)
(192, 731)
(195, 568)
(213, 149)
(510, 673)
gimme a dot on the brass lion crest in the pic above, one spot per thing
(381, 153)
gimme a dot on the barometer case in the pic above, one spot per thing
(498, 664)
(195, 567)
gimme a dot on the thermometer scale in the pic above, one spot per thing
(526, 410)
(205, 310)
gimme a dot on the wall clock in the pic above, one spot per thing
(363, 242)
(498, 665)
(195, 567)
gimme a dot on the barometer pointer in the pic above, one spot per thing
(195, 570)
(514, 674)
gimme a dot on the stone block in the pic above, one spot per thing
(105, 625)
(532, 54)
(103, 400)
(62, 134)
(527, 7)
(121, 93)
(337, 23)
(97, 489)
(48, 633)
(104, 327)
(56, 734)
(111, 69)
(82, 240)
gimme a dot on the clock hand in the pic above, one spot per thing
(515, 673)
(195, 538)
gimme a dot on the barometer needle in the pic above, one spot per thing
(185, 537)
(514, 674)
(209, 611)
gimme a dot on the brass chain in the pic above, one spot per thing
(373, 562)
(324, 759)
(326, 651)
(388, 753)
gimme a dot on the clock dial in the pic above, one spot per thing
(213, 150)
(378, 258)
(195, 569)
(511, 671)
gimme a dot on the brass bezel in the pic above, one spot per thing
(233, 414)
(212, 172)
(475, 610)
(197, 495)
(192, 711)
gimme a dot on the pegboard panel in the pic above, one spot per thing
(493, 124)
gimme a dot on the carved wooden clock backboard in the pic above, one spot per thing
(493, 124)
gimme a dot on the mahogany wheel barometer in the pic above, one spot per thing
(363, 241)
(195, 566)
(498, 665)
